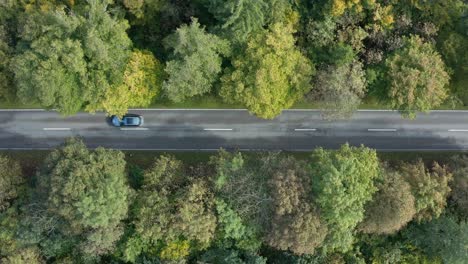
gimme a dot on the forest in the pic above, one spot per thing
(263, 55)
(326, 207)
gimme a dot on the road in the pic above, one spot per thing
(298, 130)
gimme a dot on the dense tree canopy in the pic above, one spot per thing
(343, 181)
(417, 78)
(11, 181)
(339, 89)
(296, 223)
(195, 61)
(270, 75)
(142, 82)
(391, 208)
(430, 188)
(87, 190)
(443, 237)
(69, 60)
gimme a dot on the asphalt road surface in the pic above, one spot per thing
(298, 130)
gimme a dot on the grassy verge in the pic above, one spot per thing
(214, 102)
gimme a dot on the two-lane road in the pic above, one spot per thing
(300, 130)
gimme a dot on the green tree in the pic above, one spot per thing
(443, 237)
(68, 60)
(340, 89)
(142, 82)
(391, 208)
(172, 212)
(342, 182)
(296, 224)
(88, 192)
(11, 181)
(244, 198)
(29, 255)
(6, 53)
(195, 62)
(430, 188)
(230, 256)
(417, 78)
(459, 185)
(239, 18)
(270, 75)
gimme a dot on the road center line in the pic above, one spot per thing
(217, 129)
(381, 130)
(458, 130)
(136, 128)
(56, 128)
(305, 129)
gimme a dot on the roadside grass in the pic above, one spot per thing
(215, 102)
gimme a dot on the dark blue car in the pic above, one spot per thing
(130, 120)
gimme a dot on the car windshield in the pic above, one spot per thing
(132, 120)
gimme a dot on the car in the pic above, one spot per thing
(128, 120)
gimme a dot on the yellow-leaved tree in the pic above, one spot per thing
(142, 82)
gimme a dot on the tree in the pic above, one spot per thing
(195, 62)
(11, 181)
(296, 224)
(87, 191)
(391, 208)
(442, 237)
(270, 75)
(429, 187)
(239, 18)
(459, 185)
(340, 89)
(142, 82)
(343, 181)
(244, 190)
(6, 53)
(417, 78)
(171, 213)
(29, 255)
(69, 60)
(230, 256)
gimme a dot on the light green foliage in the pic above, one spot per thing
(239, 18)
(88, 190)
(417, 78)
(172, 215)
(340, 89)
(153, 214)
(71, 59)
(296, 224)
(270, 75)
(232, 228)
(29, 255)
(11, 181)
(429, 187)
(443, 237)
(195, 217)
(142, 82)
(343, 181)
(391, 208)
(195, 61)
(9, 219)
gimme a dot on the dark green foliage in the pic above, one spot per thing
(443, 237)
(238, 18)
